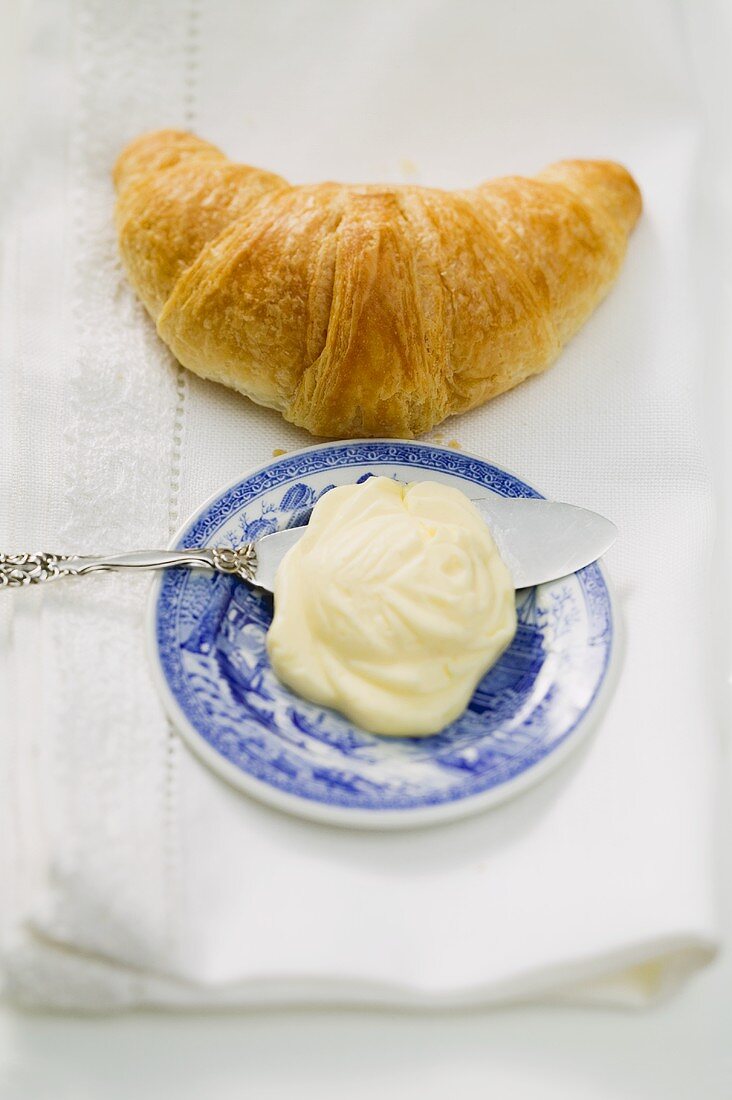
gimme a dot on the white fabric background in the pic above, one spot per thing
(132, 875)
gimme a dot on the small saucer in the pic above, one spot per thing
(211, 668)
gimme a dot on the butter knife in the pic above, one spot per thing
(539, 540)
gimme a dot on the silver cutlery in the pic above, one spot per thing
(539, 540)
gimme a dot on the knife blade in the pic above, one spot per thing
(539, 540)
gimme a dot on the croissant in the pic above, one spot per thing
(365, 310)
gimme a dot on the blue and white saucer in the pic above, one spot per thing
(210, 662)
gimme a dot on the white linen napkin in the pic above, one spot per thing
(128, 873)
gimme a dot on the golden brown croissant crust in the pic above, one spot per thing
(365, 310)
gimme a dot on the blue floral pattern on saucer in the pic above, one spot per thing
(209, 650)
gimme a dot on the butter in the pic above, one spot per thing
(392, 606)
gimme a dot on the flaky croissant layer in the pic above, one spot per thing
(365, 310)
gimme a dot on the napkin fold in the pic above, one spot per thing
(129, 874)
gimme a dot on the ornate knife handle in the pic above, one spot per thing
(19, 570)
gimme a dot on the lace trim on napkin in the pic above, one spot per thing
(125, 424)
